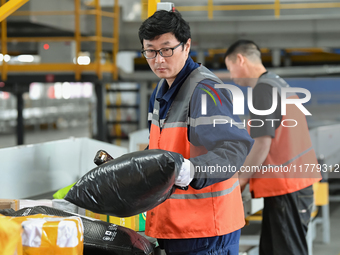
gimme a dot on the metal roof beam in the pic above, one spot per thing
(10, 7)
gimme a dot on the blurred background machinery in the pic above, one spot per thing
(95, 43)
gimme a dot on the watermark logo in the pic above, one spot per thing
(287, 98)
(204, 98)
(238, 100)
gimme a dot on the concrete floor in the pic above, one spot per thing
(31, 137)
(333, 248)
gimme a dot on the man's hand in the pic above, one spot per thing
(184, 179)
(256, 157)
(243, 183)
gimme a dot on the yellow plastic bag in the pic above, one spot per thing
(45, 234)
(10, 237)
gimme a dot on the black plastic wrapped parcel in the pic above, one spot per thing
(131, 184)
(99, 237)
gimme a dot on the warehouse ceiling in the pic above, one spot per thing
(292, 23)
(303, 27)
(292, 28)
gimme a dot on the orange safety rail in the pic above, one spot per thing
(276, 6)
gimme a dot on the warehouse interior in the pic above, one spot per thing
(74, 81)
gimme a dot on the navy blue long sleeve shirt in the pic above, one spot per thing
(227, 145)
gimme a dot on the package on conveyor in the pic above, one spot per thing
(136, 222)
(129, 185)
(46, 234)
(99, 237)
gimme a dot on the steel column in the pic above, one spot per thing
(98, 35)
(115, 45)
(20, 119)
(4, 44)
(152, 7)
(101, 124)
(77, 36)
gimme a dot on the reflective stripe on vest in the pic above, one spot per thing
(291, 147)
(206, 195)
(211, 119)
(295, 158)
(211, 211)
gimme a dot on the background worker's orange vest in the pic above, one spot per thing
(291, 149)
(212, 211)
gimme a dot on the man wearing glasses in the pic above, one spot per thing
(206, 215)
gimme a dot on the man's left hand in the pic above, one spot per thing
(243, 183)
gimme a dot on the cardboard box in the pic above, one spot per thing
(17, 204)
(142, 146)
(8, 204)
(5, 205)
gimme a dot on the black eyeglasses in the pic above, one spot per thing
(165, 52)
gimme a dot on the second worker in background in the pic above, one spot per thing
(288, 196)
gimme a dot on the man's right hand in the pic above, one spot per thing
(184, 178)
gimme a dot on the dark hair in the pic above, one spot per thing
(244, 47)
(162, 22)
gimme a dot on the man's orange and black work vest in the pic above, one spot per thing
(212, 211)
(288, 166)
